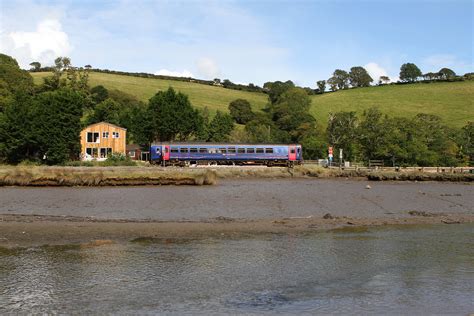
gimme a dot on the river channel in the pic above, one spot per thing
(391, 270)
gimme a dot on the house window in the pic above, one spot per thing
(105, 134)
(92, 152)
(104, 152)
(131, 153)
(92, 137)
(115, 135)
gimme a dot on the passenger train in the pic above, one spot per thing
(182, 154)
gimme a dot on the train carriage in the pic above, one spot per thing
(225, 154)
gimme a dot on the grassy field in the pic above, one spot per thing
(453, 101)
(215, 98)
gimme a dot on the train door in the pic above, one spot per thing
(291, 153)
(166, 152)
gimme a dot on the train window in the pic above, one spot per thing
(231, 150)
(193, 150)
(250, 150)
(183, 150)
(174, 149)
(269, 150)
(222, 150)
(241, 150)
(203, 150)
(259, 150)
(212, 150)
(292, 150)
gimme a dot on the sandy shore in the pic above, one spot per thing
(30, 230)
(233, 208)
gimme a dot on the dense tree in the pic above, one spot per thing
(106, 111)
(241, 111)
(276, 89)
(384, 80)
(220, 127)
(172, 117)
(17, 136)
(57, 125)
(35, 66)
(340, 78)
(291, 113)
(446, 73)
(359, 77)
(321, 86)
(263, 130)
(467, 142)
(99, 93)
(372, 134)
(409, 72)
(332, 84)
(342, 132)
(12, 78)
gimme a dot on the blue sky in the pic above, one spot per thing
(244, 41)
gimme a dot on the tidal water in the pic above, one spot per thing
(391, 270)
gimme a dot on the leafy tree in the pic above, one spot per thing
(276, 89)
(467, 142)
(172, 117)
(17, 136)
(409, 72)
(446, 73)
(342, 132)
(291, 113)
(263, 130)
(359, 77)
(35, 66)
(430, 76)
(340, 78)
(57, 125)
(332, 84)
(241, 111)
(220, 127)
(99, 93)
(372, 134)
(321, 86)
(13, 78)
(106, 111)
(384, 80)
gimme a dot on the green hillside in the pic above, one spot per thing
(215, 98)
(453, 101)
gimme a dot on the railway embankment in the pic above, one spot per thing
(152, 175)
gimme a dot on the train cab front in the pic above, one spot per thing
(156, 156)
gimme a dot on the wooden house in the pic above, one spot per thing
(102, 139)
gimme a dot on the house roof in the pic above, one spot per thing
(106, 123)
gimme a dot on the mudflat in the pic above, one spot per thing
(249, 206)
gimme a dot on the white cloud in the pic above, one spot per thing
(47, 42)
(166, 72)
(376, 71)
(207, 68)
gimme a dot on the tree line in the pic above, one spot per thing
(43, 122)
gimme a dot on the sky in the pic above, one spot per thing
(243, 41)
